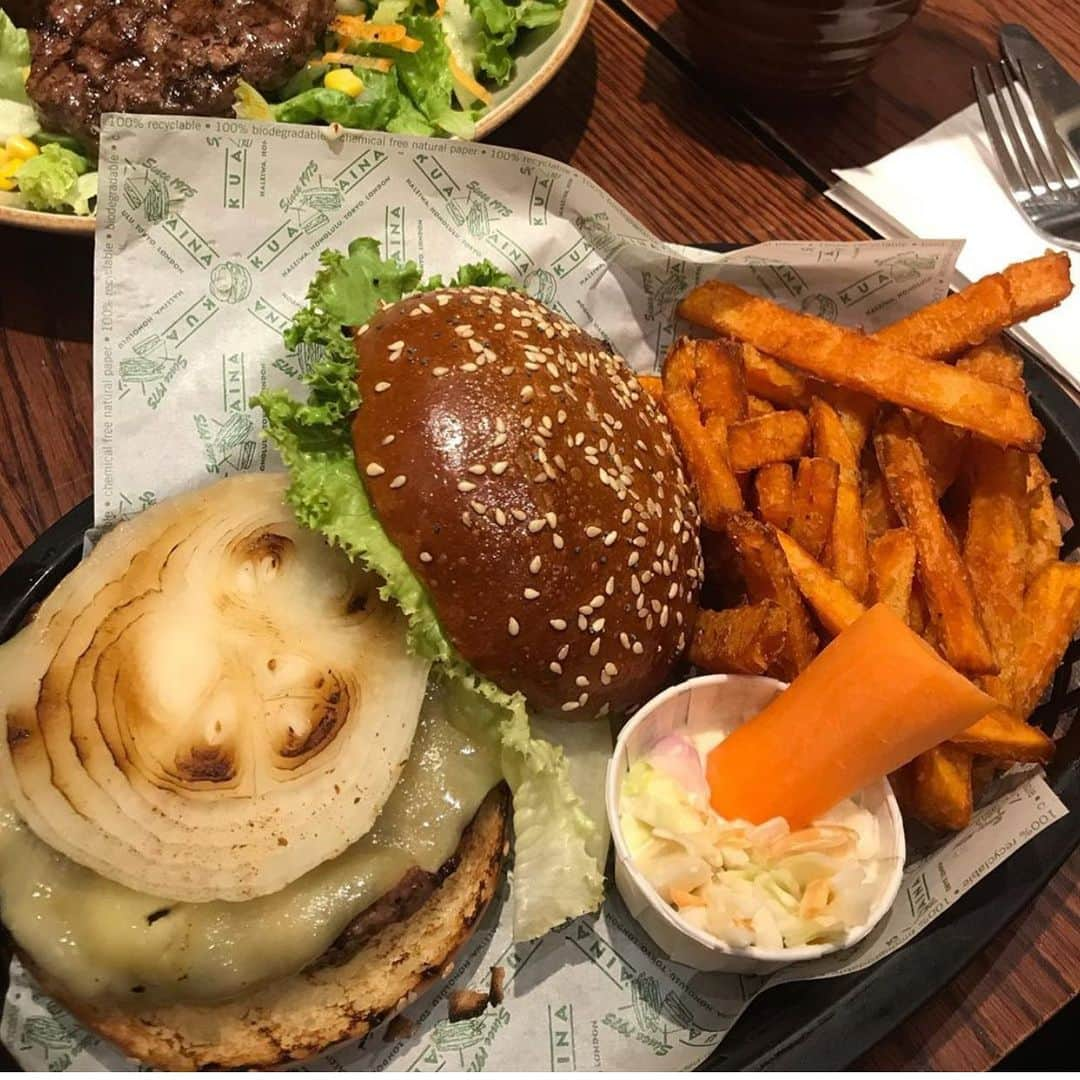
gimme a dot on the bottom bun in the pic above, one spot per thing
(303, 1015)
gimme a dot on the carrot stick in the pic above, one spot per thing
(872, 700)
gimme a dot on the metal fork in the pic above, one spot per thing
(1033, 157)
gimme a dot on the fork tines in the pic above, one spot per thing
(1022, 134)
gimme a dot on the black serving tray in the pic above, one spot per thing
(827, 1024)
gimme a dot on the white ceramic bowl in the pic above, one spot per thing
(722, 703)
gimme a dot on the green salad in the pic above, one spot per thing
(418, 67)
(38, 171)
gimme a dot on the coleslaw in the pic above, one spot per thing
(743, 884)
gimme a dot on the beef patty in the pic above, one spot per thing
(163, 56)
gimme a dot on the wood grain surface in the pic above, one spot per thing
(694, 164)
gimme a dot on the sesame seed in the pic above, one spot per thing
(551, 519)
(597, 601)
(586, 609)
(518, 515)
(466, 519)
(635, 557)
(534, 566)
(500, 517)
(475, 346)
(557, 624)
(638, 648)
(624, 640)
(594, 648)
(627, 514)
(396, 346)
(425, 556)
(398, 481)
(531, 594)
(499, 326)
(388, 439)
(557, 540)
(609, 586)
(470, 368)
(610, 538)
(499, 467)
(564, 652)
(513, 627)
(673, 591)
(478, 470)
(581, 680)
(463, 331)
(527, 393)
(466, 485)
(536, 525)
(592, 532)
(374, 469)
(598, 625)
(582, 622)
(499, 439)
(556, 667)
(583, 698)
(611, 669)
(567, 706)
(380, 387)
(479, 507)
(438, 372)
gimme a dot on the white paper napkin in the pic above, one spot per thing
(946, 184)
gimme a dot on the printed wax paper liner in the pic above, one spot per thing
(209, 232)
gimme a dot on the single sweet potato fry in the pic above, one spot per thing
(813, 503)
(833, 603)
(718, 489)
(845, 552)
(679, 370)
(772, 381)
(892, 570)
(746, 640)
(878, 514)
(940, 792)
(1044, 526)
(1050, 620)
(942, 446)
(995, 362)
(721, 379)
(941, 570)
(987, 307)
(774, 486)
(996, 540)
(779, 436)
(653, 385)
(768, 577)
(857, 412)
(870, 365)
(1004, 736)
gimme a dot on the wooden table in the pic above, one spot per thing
(694, 164)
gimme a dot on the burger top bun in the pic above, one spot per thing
(535, 490)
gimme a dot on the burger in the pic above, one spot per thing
(266, 744)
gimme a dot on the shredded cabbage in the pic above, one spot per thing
(744, 884)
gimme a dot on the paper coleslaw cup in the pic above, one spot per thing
(722, 703)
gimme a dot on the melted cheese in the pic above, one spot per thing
(102, 939)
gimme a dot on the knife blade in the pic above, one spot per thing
(1047, 80)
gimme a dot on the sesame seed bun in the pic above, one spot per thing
(535, 490)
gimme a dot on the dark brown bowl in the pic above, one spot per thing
(792, 46)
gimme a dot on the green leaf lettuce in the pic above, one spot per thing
(557, 875)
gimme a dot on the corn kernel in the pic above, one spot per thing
(18, 146)
(7, 173)
(344, 80)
